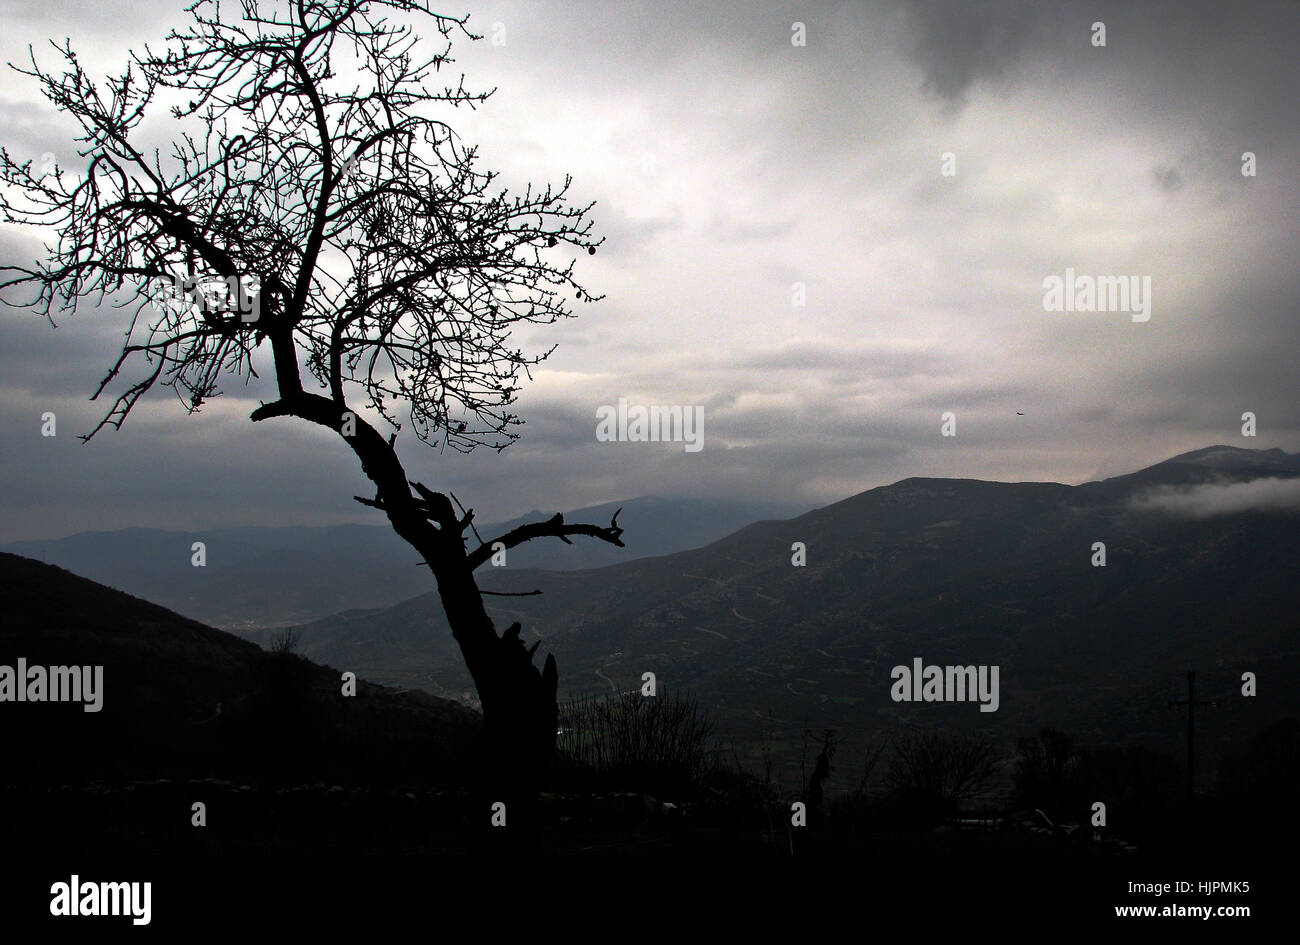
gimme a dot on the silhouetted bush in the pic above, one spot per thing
(1266, 772)
(1137, 785)
(657, 744)
(931, 772)
(1140, 787)
(1047, 775)
(286, 640)
(287, 682)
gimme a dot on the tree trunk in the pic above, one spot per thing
(519, 706)
(520, 712)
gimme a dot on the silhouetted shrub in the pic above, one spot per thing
(657, 744)
(1135, 783)
(932, 771)
(286, 640)
(1047, 775)
(1266, 772)
(1141, 788)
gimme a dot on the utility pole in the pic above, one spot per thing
(1191, 703)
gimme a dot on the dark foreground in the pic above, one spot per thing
(396, 860)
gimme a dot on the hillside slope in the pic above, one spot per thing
(182, 699)
(952, 571)
(260, 577)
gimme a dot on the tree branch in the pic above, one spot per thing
(554, 527)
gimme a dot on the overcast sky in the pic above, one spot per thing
(729, 164)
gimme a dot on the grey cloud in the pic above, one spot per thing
(877, 361)
(725, 226)
(961, 43)
(1197, 52)
(779, 165)
(624, 234)
(1167, 178)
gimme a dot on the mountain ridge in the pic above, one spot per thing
(179, 697)
(951, 570)
(257, 576)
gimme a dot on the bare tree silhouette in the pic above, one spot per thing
(941, 768)
(314, 214)
(1048, 773)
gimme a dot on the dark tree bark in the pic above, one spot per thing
(520, 711)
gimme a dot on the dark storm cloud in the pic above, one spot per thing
(1167, 178)
(961, 43)
(1235, 59)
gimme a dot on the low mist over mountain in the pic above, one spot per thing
(953, 571)
(259, 577)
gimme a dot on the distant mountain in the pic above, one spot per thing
(252, 577)
(1237, 461)
(182, 699)
(260, 577)
(1214, 464)
(953, 571)
(652, 526)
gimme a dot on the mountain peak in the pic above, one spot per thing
(1236, 457)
